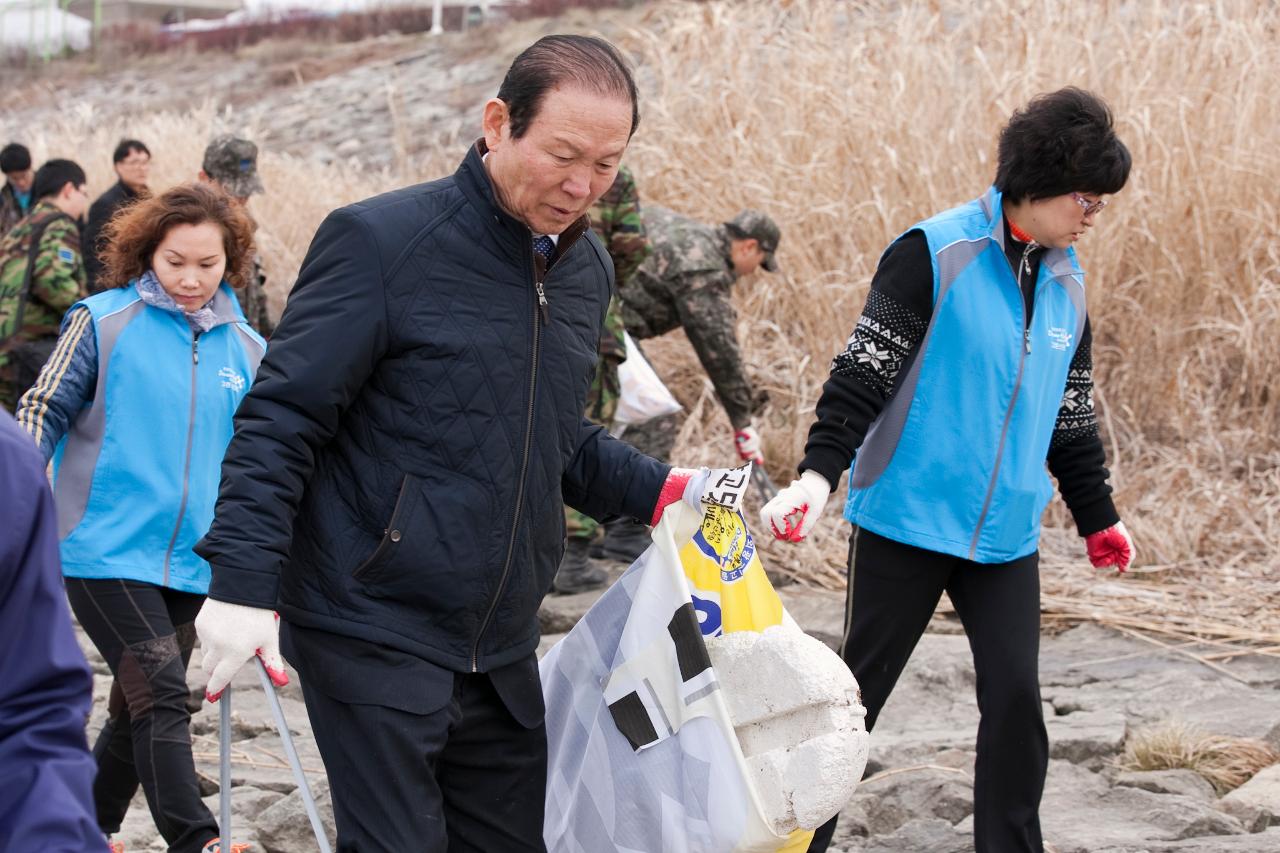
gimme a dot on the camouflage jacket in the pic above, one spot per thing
(617, 222)
(687, 282)
(253, 300)
(10, 209)
(57, 281)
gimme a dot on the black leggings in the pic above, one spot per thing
(893, 590)
(146, 634)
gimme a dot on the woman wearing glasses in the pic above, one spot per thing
(131, 160)
(968, 370)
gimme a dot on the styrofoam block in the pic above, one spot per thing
(795, 708)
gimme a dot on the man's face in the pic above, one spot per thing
(747, 256)
(73, 200)
(567, 158)
(134, 169)
(21, 179)
(1061, 220)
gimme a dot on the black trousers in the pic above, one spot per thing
(145, 633)
(893, 590)
(421, 758)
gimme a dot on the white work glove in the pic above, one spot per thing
(231, 634)
(795, 510)
(747, 440)
(1110, 547)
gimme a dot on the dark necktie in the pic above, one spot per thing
(544, 246)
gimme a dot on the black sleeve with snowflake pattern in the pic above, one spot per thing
(864, 374)
(1076, 455)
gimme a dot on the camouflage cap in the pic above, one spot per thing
(753, 223)
(233, 163)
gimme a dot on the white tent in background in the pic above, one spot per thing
(41, 26)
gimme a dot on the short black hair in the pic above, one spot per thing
(14, 158)
(127, 146)
(1061, 142)
(53, 176)
(554, 60)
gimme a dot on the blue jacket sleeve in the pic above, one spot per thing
(304, 384)
(67, 381)
(607, 477)
(46, 787)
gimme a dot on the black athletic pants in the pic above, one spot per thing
(145, 633)
(421, 758)
(893, 590)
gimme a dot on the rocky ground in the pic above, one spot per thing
(1098, 685)
(372, 104)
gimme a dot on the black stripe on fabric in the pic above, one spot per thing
(631, 718)
(691, 651)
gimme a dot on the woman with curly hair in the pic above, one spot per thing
(135, 409)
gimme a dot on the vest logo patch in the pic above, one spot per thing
(1060, 338)
(231, 379)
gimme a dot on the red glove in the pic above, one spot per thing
(672, 491)
(723, 486)
(1110, 547)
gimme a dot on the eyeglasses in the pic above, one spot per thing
(1089, 207)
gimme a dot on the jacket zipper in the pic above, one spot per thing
(1024, 351)
(1026, 267)
(543, 310)
(543, 306)
(186, 466)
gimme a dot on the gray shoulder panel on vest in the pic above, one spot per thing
(253, 350)
(1066, 274)
(882, 438)
(84, 440)
(986, 200)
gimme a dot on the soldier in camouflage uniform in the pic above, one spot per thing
(15, 192)
(617, 222)
(57, 276)
(232, 164)
(686, 283)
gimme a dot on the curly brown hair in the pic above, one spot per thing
(131, 237)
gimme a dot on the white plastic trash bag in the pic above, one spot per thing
(643, 755)
(644, 397)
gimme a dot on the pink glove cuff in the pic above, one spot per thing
(672, 491)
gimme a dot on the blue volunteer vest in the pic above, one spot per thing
(136, 476)
(955, 463)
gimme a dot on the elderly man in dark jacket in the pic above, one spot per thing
(395, 483)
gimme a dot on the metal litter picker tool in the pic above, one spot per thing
(291, 752)
(768, 490)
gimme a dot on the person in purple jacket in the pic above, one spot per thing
(46, 771)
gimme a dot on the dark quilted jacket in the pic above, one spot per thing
(398, 467)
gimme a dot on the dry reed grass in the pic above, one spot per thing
(849, 121)
(1227, 762)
